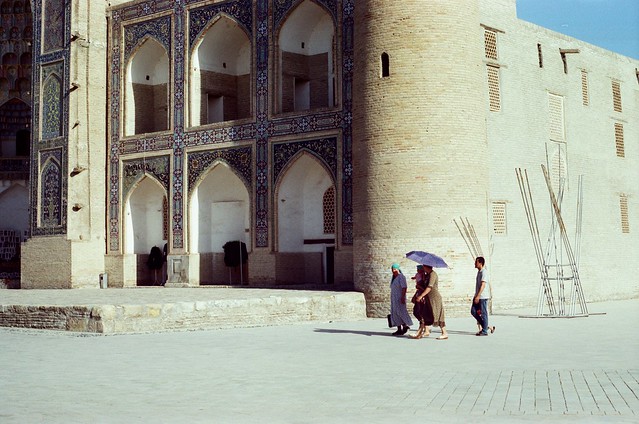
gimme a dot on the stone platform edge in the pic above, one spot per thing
(187, 315)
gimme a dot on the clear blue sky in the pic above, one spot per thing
(611, 24)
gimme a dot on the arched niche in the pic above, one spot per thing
(220, 211)
(300, 198)
(306, 77)
(14, 208)
(221, 74)
(144, 217)
(146, 108)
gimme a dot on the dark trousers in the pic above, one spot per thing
(480, 312)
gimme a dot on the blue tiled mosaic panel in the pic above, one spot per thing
(134, 170)
(200, 18)
(51, 107)
(54, 25)
(283, 7)
(135, 34)
(325, 149)
(50, 201)
(239, 159)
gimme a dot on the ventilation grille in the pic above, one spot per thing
(623, 206)
(165, 219)
(490, 44)
(619, 140)
(556, 117)
(584, 88)
(493, 89)
(616, 96)
(499, 217)
(328, 203)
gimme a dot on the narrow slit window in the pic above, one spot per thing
(616, 96)
(494, 95)
(623, 206)
(385, 65)
(619, 143)
(540, 56)
(585, 98)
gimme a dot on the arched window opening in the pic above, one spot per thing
(219, 213)
(146, 107)
(307, 60)
(385, 65)
(221, 78)
(15, 117)
(25, 58)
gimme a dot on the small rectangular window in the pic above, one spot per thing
(490, 44)
(585, 98)
(494, 95)
(556, 117)
(499, 217)
(616, 96)
(623, 206)
(540, 56)
(619, 144)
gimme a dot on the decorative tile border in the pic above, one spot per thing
(324, 149)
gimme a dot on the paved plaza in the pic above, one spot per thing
(530, 370)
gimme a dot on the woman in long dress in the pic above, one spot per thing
(399, 314)
(436, 303)
(421, 308)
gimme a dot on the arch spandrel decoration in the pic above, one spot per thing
(134, 170)
(282, 7)
(199, 19)
(324, 148)
(136, 34)
(239, 159)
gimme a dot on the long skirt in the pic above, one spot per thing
(422, 309)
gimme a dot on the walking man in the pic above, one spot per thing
(479, 308)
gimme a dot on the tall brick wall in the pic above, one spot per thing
(419, 140)
(519, 137)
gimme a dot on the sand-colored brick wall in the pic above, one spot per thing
(519, 137)
(419, 140)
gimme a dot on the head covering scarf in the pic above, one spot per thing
(395, 266)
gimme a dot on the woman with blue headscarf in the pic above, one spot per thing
(399, 314)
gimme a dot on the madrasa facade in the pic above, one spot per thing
(316, 142)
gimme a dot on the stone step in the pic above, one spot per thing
(154, 309)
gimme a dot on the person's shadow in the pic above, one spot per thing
(379, 333)
(361, 333)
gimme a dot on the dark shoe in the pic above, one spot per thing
(481, 334)
(492, 329)
(404, 330)
(398, 333)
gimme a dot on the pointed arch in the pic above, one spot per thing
(299, 198)
(144, 215)
(306, 59)
(147, 87)
(51, 107)
(220, 79)
(219, 209)
(51, 194)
